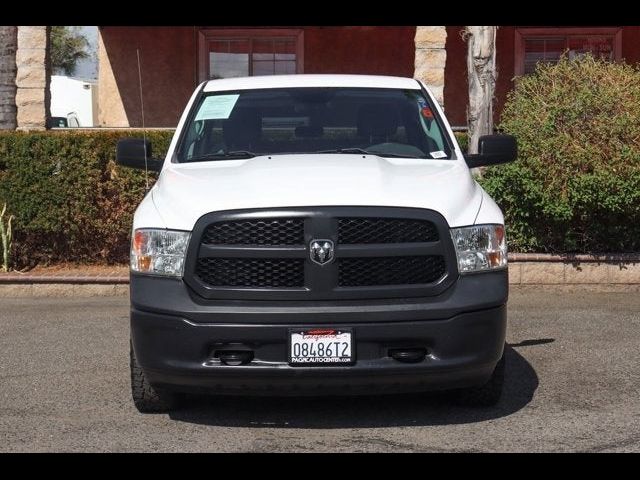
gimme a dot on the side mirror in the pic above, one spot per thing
(493, 149)
(131, 152)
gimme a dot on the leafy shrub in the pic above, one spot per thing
(576, 184)
(463, 140)
(70, 201)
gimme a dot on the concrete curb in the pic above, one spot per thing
(575, 257)
(22, 278)
(62, 290)
(572, 273)
(578, 287)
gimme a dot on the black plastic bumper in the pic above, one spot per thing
(176, 337)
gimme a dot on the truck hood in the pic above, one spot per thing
(185, 192)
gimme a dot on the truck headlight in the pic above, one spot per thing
(480, 248)
(159, 252)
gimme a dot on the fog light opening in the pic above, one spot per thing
(408, 355)
(234, 358)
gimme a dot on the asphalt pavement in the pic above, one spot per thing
(573, 384)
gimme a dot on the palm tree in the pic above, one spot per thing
(68, 46)
(481, 69)
(8, 46)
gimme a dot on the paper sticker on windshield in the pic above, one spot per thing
(217, 107)
(438, 154)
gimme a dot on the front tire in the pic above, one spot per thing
(147, 398)
(486, 395)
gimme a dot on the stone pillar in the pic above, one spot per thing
(431, 58)
(8, 46)
(33, 77)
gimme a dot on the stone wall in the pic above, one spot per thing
(33, 77)
(8, 46)
(431, 58)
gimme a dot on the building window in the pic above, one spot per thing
(535, 45)
(226, 53)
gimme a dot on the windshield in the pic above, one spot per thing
(380, 121)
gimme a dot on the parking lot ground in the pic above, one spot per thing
(573, 384)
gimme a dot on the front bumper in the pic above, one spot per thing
(176, 336)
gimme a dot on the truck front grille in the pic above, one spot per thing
(380, 252)
(251, 272)
(362, 272)
(385, 230)
(272, 231)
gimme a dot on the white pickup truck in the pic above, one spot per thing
(316, 234)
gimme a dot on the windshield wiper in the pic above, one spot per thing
(357, 150)
(212, 156)
(347, 150)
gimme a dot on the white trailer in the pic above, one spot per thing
(74, 102)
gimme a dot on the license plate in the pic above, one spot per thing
(320, 346)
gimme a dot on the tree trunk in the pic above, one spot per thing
(8, 47)
(481, 69)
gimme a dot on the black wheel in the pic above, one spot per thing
(148, 399)
(485, 395)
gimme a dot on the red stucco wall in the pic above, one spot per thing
(168, 58)
(455, 77)
(631, 44)
(366, 50)
(505, 63)
(169, 61)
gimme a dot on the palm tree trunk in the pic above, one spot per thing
(481, 68)
(8, 47)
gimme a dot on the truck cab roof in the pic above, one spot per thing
(310, 80)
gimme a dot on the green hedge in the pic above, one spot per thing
(576, 184)
(71, 202)
(463, 140)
